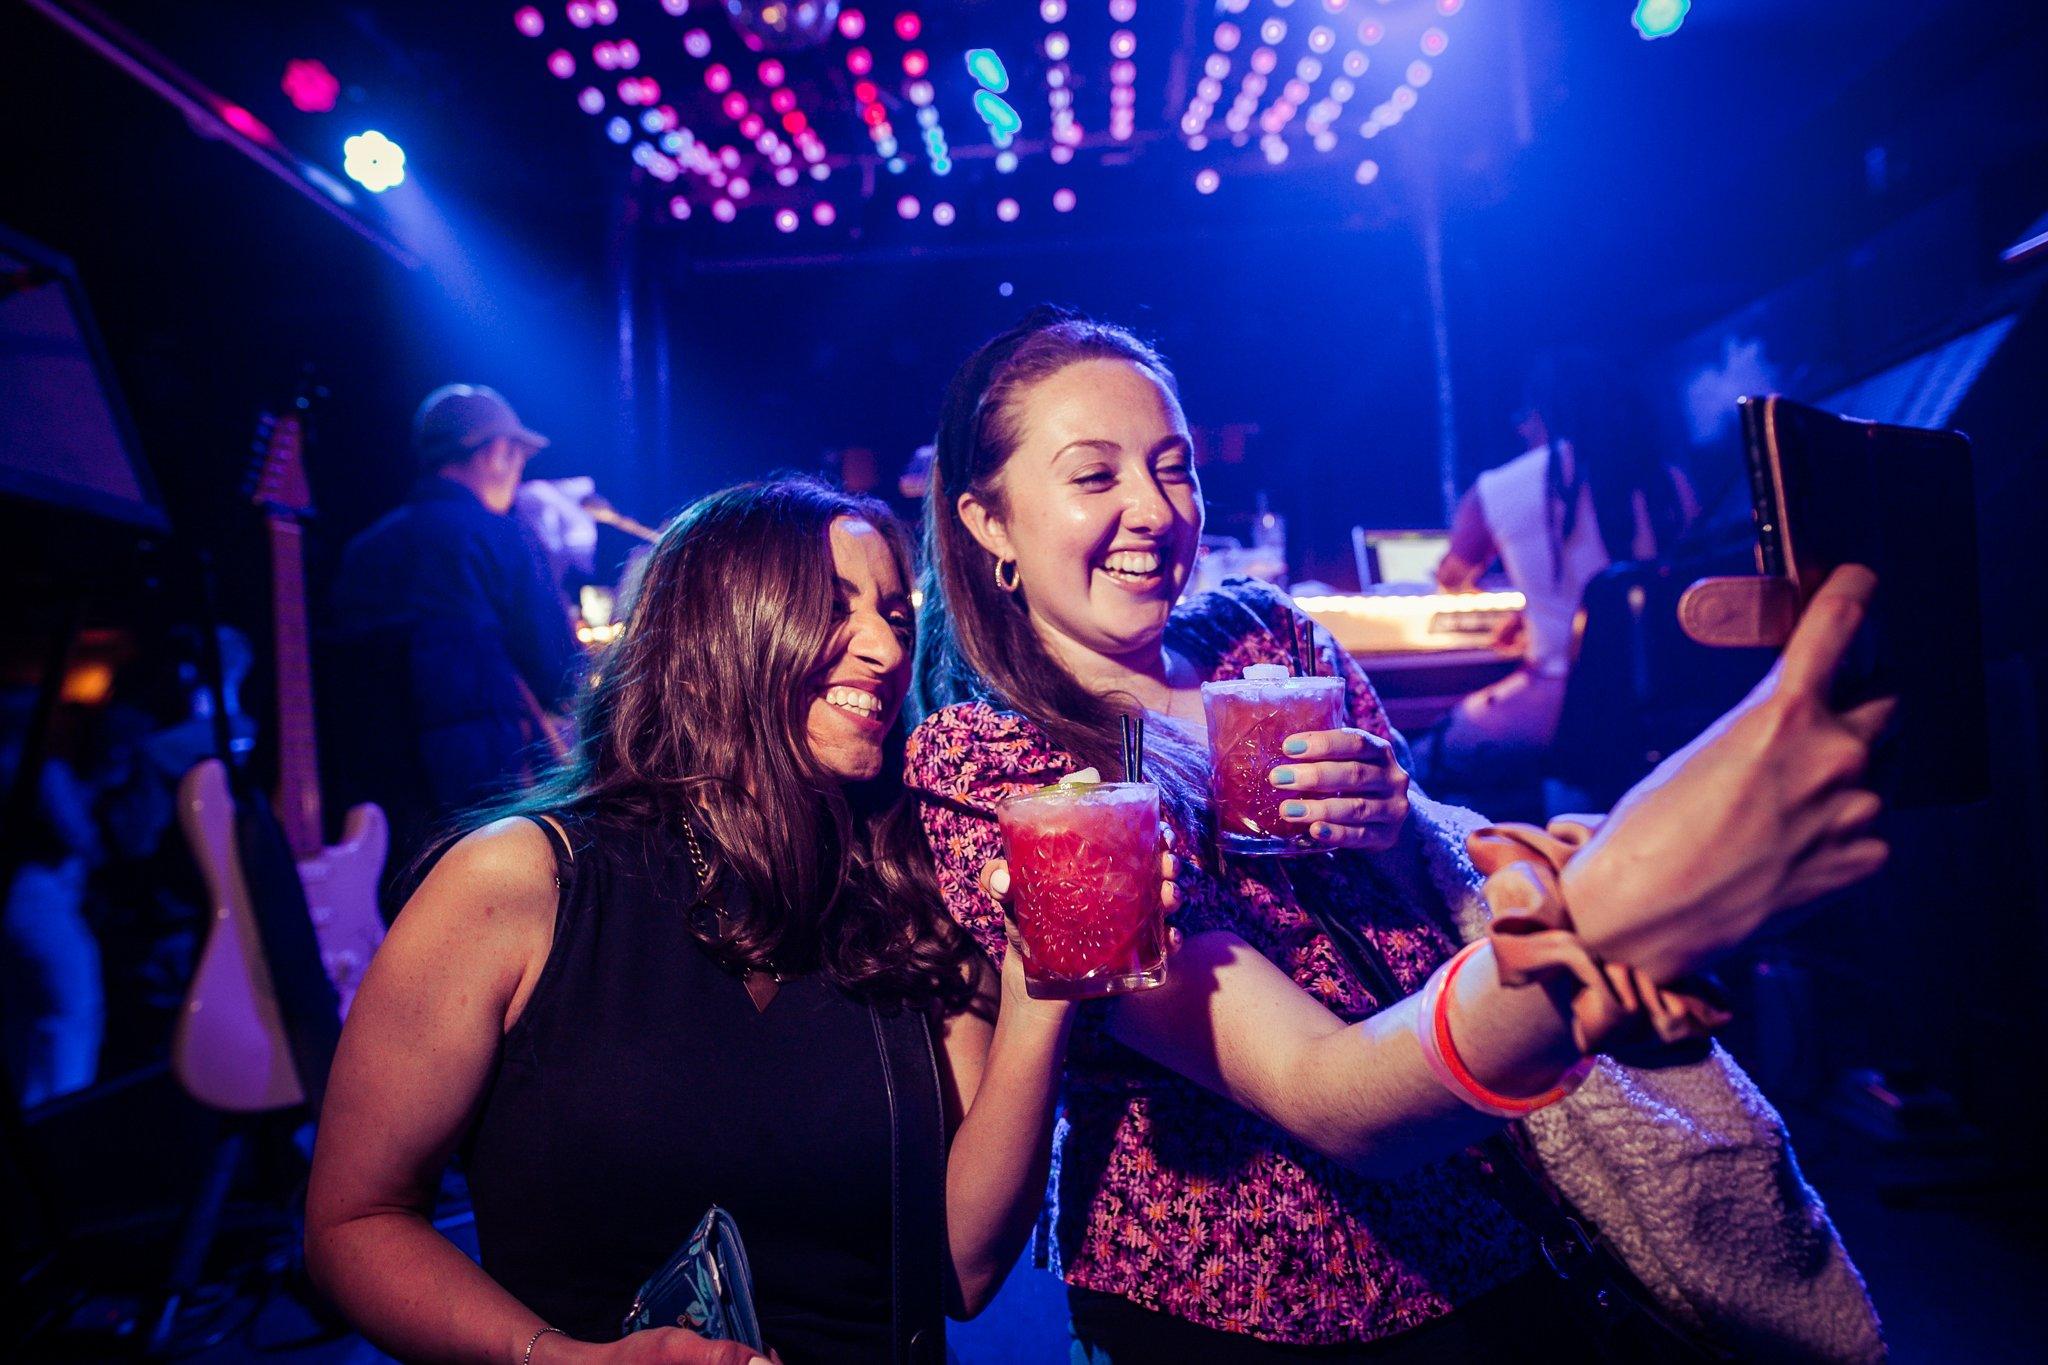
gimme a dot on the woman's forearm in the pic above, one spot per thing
(1358, 1093)
(415, 1294)
(996, 1170)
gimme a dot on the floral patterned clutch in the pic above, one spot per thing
(706, 1287)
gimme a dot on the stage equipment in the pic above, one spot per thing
(278, 972)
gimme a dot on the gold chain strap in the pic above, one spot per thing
(698, 863)
(702, 867)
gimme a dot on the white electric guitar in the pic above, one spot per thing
(231, 1050)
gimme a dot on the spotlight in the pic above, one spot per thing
(313, 89)
(377, 163)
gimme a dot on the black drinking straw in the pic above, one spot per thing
(1306, 657)
(1134, 748)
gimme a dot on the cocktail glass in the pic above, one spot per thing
(1249, 719)
(1084, 873)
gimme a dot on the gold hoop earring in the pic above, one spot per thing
(1006, 574)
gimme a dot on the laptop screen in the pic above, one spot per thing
(1405, 556)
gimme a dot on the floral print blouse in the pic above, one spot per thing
(1163, 1192)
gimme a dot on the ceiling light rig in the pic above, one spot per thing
(798, 115)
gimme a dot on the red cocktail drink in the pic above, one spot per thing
(1084, 872)
(1248, 722)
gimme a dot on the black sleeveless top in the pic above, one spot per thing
(640, 1086)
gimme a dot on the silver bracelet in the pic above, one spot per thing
(534, 1341)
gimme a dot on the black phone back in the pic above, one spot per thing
(1830, 490)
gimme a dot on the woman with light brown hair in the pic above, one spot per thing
(1276, 1155)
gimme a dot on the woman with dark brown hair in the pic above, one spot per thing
(704, 964)
(1274, 1155)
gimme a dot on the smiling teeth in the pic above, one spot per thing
(1135, 563)
(855, 700)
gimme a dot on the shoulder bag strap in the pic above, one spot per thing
(918, 1266)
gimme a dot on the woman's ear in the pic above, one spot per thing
(985, 526)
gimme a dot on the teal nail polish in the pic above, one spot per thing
(1294, 810)
(1284, 776)
(1297, 745)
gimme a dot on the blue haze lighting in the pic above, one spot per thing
(373, 161)
(1659, 18)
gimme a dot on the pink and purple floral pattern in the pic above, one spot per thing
(1164, 1192)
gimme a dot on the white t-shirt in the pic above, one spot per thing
(1515, 501)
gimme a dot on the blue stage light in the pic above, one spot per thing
(1660, 18)
(373, 161)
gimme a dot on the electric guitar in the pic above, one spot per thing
(231, 1050)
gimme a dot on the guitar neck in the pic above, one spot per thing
(298, 772)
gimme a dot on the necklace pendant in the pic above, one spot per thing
(707, 921)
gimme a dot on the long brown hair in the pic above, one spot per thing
(698, 712)
(976, 641)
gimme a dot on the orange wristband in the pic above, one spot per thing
(1433, 1032)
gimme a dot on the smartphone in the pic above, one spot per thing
(1829, 490)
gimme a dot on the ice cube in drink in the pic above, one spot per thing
(1084, 873)
(1249, 719)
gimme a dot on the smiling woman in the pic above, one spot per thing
(1276, 1112)
(705, 964)
(860, 684)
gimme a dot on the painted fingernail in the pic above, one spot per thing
(1297, 745)
(999, 881)
(1294, 810)
(1284, 776)
(1322, 831)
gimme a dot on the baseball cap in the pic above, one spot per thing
(456, 419)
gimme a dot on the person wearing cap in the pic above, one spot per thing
(453, 640)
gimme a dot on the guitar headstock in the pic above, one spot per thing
(277, 482)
